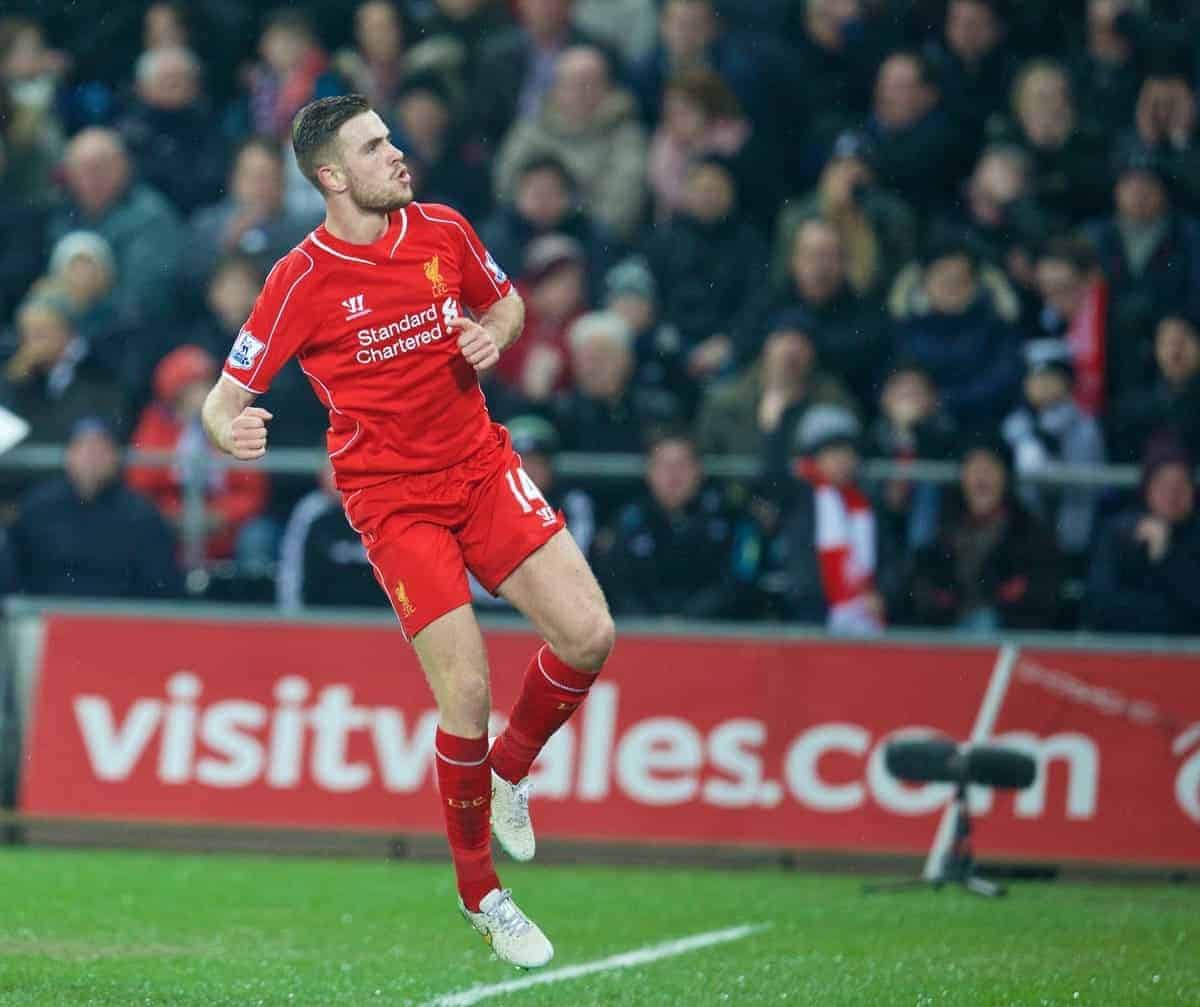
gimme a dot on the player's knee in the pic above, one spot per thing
(593, 642)
(470, 703)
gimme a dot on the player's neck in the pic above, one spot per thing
(355, 226)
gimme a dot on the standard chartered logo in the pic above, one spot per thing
(420, 328)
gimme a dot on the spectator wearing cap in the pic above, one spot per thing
(960, 338)
(51, 381)
(1074, 307)
(992, 565)
(659, 359)
(171, 130)
(252, 219)
(700, 116)
(1066, 152)
(1150, 254)
(141, 227)
(604, 411)
(671, 551)
(553, 283)
(1170, 403)
(911, 426)
(546, 201)
(1050, 428)
(590, 124)
(759, 411)
(878, 229)
(83, 271)
(84, 534)
(1143, 573)
(820, 565)
(922, 152)
(845, 328)
(447, 166)
(321, 558)
(171, 423)
(707, 262)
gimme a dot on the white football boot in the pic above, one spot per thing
(514, 937)
(511, 824)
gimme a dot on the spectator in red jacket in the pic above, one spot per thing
(232, 497)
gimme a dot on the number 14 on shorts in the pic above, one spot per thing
(528, 496)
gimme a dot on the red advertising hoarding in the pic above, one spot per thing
(700, 740)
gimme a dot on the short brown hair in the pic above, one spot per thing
(315, 127)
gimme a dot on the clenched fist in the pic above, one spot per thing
(476, 343)
(248, 434)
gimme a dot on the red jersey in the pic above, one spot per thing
(369, 326)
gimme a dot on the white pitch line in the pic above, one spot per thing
(626, 960)
(985, 721)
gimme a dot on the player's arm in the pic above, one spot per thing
(482, 342)
(232, 423)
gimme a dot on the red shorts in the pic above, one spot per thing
(423, 532)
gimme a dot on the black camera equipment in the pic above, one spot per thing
(942, 760)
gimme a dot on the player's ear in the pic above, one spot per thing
(332, 177)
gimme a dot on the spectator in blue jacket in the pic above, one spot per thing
(972, 354)
(1143, 575)
(85, 534)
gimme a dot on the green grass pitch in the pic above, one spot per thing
(124, 929)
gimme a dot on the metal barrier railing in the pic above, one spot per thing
(195, 467)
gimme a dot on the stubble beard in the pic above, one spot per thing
(371, 200)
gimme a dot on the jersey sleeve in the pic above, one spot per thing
(278, 326)
(483, 281)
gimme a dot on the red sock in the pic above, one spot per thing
(465, 781)
(549, 695)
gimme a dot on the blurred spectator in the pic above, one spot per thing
(1075, 309)
(1143, 574)
(171, 423)
(700, 116)
(911, 426)
(629, 26)
(293, 71)
(546, 201)
(171, 131)
(468, 24)
(837, 68)
(670, 552)
(517, 67)
(1105, 70)
(589, 123)
(1171, 403)
(375, 66)
(972, 63)
(1166, 123)
(659, 361)
(1150, 255)
(139, 225)
(50, 381)
(759, 411)
(1049, 428)
(321, 558)
(922, 153)
(604, 410)
(20, 261)
(32, 136)
(992, 565)
(446, 166)
(970, 351)
(819, 566)
(165, 26)
(85, 534)
(878, 229)
(707, 261)
(1067, 154)
(845, 329)
(553, 283)
(252, 219)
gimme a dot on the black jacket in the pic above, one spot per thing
(1127, 593)
(181, 152)
(115, 546)
(1144, 411)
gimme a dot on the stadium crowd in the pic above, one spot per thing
(807, 231)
